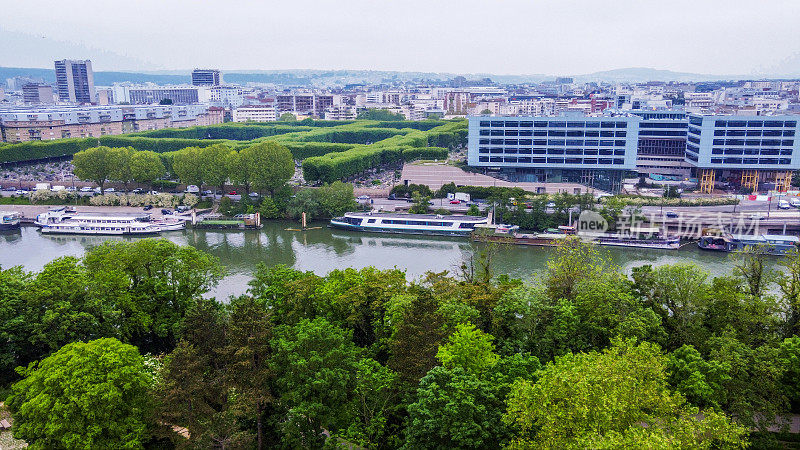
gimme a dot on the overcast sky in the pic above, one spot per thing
(461, 36)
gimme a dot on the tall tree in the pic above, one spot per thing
(315, 363)
(187, 164)
(247, 356)
(615, 399)
(123, 171)
(86, 395)
(95, 164)
(270, 164)
(146, 167)
(215, 165)
(238, 169)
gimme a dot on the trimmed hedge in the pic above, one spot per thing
(32, 150)
(231, 131)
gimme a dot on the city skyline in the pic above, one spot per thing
(520, 38)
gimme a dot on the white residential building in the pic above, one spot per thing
(255, 113)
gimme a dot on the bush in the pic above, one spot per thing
(401, 190)
(164, 184)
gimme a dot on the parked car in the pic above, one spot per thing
(182, 208)
(71, 189)
(86, 189)
(232, 193)
(166, 212)
(783, 204)
(551, 205)
(363, 197)
(153, 192)
(253, 195)
(11, 189)
(192, 189)
(148, 207)
(455, 202)
(21, 191)
(137, 191)
(672, 215)
(794, 201)
(110, 190)
(208, 192)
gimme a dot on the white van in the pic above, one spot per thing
(192, 189)
(794, 201)
(783, 204)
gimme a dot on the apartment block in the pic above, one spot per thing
(75, 81)
(206, 77)
(255, 113)
(37, 94)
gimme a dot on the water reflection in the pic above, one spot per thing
(322, 250)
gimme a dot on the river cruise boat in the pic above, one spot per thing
(772, 244)
(642, 237)
(510, 234)
(9, 220)
(63, 222)
(430, 224)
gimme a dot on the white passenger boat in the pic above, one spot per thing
(432, 224)
(9, 220)
(59, 221)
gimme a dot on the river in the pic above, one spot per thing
(324, 249)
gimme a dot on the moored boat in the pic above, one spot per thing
(643, 237)
(772, 244)
(63, 222)
(510, 234)
(430, 224)
(9, 220)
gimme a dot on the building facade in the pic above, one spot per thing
(662, 143)
(255, 113)
(25, 124)
(206, 77)
(179, 95)
(596, 151)
(38, 94)
(75, 81)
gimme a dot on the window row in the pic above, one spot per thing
(755, 123)
(578, 133)
(577, 161)
(781, 161)
(754, 133)
(750, 151)
(551, 151)
(569, 142)
(551, 124)
(752, 142)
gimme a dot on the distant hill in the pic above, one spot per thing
(333, 78)
(644, 74)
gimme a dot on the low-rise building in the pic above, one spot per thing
(255, 113)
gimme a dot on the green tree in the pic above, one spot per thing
(146, 167)
(187, 164)
(700, 381)
(574, 262)
(420, 205)
(96, 164)
(238, 171)
(468, 348)
(789, 285)
(15, 326)
(215, 163)
(247, 356)
(123, 170)
(473, 210)
(270, 164)
(86, 395)
(268, 209)
(287, 117)
(615, 399)
(315, 364)
(374, 401)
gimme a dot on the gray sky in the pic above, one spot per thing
(461, 36)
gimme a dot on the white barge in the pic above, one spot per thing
(430, 224)
(62, 221)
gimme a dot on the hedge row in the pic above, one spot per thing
(27, 151)
(231, 131)
(414, 144)
(423, 125)
(303, 150)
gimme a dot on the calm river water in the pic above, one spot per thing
(324, 249)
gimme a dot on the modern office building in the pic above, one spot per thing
(255, 113)
(662, 144)
(75, 81)
(206, 77)
(311, 104)
(743, 149)
(148, 95)
(37, 94)
(593, 150)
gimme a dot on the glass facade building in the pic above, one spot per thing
(743, 142)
